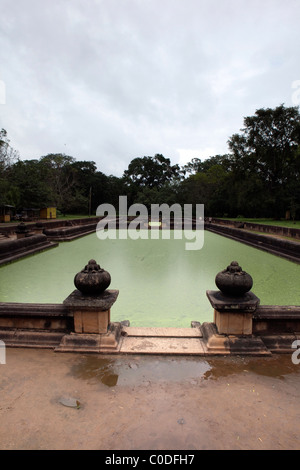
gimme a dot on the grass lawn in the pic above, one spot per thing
(59, 217)
(68, 217)
(278, 223)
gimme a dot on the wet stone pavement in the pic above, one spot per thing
(70, 401)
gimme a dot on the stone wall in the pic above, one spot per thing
(282, 247)
(277, 326)
(276, 319)
(47, 317)
(269, 229)
(68, 233)
(50, 224)
(41, 236)
(11, 250)
(47, 325)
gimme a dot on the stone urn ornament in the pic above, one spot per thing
(233, 281)
(92, 280)
(22, 228)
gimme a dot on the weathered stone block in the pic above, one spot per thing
(91, 312)
(221, 302)
(92, 343)
(91, 322)
(233, 323)
(76, 300)
(216, 343)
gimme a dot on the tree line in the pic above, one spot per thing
(258, 177)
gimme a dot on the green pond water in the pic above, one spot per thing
(159, 282)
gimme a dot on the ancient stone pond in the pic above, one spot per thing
(160, 283)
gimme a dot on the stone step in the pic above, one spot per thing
(178, 341)
(162, 332)
(162, 345)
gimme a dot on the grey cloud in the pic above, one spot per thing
(109, 80)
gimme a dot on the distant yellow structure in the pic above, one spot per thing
(6, 213)
(48, 213)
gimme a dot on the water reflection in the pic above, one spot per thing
(113, 371)
(96, 369)
(276, 366)
(137, 370)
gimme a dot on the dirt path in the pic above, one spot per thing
(155, 403)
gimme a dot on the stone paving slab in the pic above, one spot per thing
(162, 332)
(162, 345)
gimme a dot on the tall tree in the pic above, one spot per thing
(208, 187)
(59, 174)
(151, 172)
(7, 154)
(151, 180)
(196, 165)
(268, 146)
(9, 193)
(28, 177)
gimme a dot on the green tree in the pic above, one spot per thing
(196, 165)
(7, 154)
(28, 177)
(268, 147)
(60, 177)
(207, 187)
(8, 192)
(152, 172)
(96, 187)
(151, 180)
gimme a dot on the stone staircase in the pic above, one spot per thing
(174, 341)
(3, 238)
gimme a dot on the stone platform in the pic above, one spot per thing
(199, 340)
(174, 341)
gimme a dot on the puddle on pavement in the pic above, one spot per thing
(136, 370)
(142, 370)
(277, 366)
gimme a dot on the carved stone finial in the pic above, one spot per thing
(22, 228)
(92, 279)
(234, 281)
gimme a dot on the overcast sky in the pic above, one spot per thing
(111, 80)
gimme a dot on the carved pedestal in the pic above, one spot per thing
(231, 332)
(93, 331)
(233, 315)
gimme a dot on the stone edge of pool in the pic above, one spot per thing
(34, 238)
(274, 329)
(240, 325)
(270, 243)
